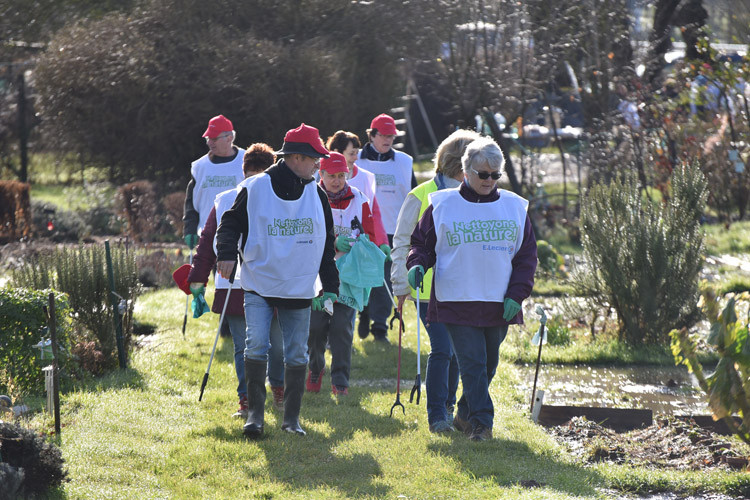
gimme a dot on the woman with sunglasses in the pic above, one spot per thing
(479, 242)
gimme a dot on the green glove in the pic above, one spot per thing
(415, 276)
(318, 303)
(511, 308)
(387, 251)
(199, 306)
(343, 243)
(191, 240)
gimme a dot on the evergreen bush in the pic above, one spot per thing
(41, 462)
(23, 324)
(644, 257)
(82, 274)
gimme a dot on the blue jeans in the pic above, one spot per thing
(477, 350)
(293, 323)
(442, 370)
(380, 304)
(238, 329)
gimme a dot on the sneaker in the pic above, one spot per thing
(462, 425)
(381, 338)
(314, 381)
(242, 411)
(441, 426)
(278, 397)
(480, 432)
(340, 390)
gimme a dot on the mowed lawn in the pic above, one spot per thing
(142, 433)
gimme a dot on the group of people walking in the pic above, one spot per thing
(464, 244)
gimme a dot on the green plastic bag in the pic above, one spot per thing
(360, 270)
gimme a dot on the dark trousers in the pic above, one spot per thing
(337, 330)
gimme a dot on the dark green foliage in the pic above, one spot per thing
(551, 263)
(644, 258)
(82, 274)
(42, 462)
(11, 480)
(23, 324)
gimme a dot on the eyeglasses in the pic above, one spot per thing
(214, 139)
(486, 175)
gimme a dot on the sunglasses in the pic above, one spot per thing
(486, 175)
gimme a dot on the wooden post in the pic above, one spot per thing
(55, 351)
(115, 312)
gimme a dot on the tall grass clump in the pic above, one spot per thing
(643, 258)
(82, 273)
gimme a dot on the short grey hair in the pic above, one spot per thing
(483, 150)
(448, 155)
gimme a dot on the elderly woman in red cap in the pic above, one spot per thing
(347, 203)
(283, 223)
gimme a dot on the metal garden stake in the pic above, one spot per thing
(542, 338)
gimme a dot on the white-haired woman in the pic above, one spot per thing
(479, 242)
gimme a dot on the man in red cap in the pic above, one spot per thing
(216, 171)
(394, 176)
(284, 225)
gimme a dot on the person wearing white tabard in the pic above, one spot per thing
(480, 244)
(283, 223)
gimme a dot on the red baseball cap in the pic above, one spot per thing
(218, 125)
(303, 140)
(385, 125)
(334, 164)
(180, 277)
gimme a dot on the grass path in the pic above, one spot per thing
(141, 433)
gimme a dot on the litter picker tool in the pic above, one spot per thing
(396, 312)
(187, 300)
(398, 371)
(540, 338)
(218, 331)
(418, 382)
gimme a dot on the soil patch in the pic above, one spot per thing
(669, 443)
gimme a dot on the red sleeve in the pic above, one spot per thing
(204, 258)
(378, 229)
(368, 224)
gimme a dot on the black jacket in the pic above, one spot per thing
(234, 226)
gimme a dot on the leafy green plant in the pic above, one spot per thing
(551, 263)
(643, 258)
(82, 274)
(558, 332)
(22, 325)
(42, 462)
(728, 387)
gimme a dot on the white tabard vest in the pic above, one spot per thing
(393, 179)
(365, 182)
(222, 203)
(285, 241)
(476, 243)
(342, 219)
(212, 179)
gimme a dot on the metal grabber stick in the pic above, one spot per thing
(418, 382)
(187, 300)
(218, 331)
(398, 371)
(542, 323)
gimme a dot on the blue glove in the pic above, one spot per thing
(191, 240)
(343, 243)
(199, 306)
(415, 276)
(387, 251)
(318, 303)
(511, 308)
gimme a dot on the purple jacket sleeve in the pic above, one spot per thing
(524, 265)
(423, 241)
(204, 258)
